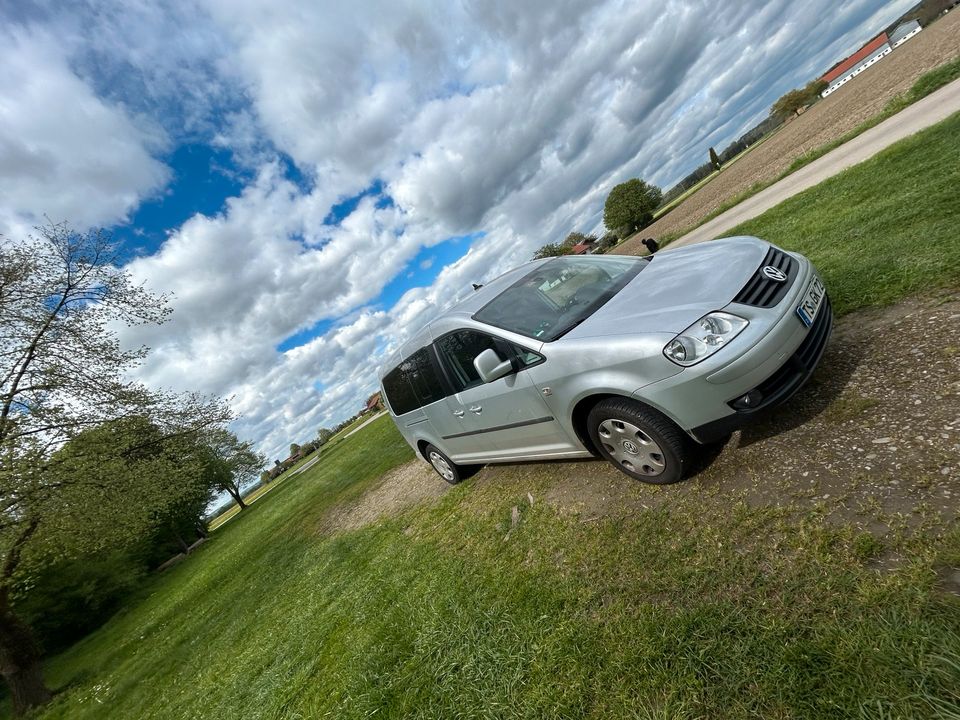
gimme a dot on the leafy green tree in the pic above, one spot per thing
(62, 371)
(69, 598)
(791, 102)
(294, 448)
(788, 103)
(233, 463)
(630, 205)
(323, 436)
(814, 88)
(606, 242)
(68, 591)
(551, 250)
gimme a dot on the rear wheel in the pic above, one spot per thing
(639, 441)
(444, 466)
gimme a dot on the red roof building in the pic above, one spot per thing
(871, 48)
(581, 249)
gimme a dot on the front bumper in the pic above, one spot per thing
(780, 386)
(777, 353)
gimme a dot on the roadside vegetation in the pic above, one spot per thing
(100, 476)
(491, 603)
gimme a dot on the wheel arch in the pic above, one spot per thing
(583, 407)
(422, 448)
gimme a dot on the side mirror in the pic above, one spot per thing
(490, 367)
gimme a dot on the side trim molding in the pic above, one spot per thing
(511, 426)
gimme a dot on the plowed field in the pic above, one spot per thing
(840, 112)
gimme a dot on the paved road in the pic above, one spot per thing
(367, 422)
(932, 109)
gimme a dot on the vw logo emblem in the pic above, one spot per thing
(775, 274)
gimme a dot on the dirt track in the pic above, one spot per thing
(840, 112)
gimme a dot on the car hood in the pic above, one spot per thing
(677, 288)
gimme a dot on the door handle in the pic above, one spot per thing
(458, 413)
(477, 409)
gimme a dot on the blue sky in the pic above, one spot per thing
(202, 178)
(311, 180)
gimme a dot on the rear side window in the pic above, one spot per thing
(413, 383)
(399, 392)
(423, 375)
(458, 349)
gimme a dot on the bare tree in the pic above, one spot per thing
(63, 297)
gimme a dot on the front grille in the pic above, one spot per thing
(761, 291)
(788, 379)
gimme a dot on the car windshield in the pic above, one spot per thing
(558, 295)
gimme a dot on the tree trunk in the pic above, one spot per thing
(180, 541)
(236, 496)
(20, 664)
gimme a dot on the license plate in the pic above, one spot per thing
(811, 301)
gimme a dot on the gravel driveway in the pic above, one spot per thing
(873, 440)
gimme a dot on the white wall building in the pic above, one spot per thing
(852, 66)
(904, 32)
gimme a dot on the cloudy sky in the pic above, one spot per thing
(312, 179)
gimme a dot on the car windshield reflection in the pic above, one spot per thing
(560, 294)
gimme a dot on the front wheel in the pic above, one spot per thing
(445, 467)
(639, 441)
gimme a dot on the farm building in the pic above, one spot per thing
(904, 32)
(855, 64)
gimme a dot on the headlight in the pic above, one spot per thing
(704, 338)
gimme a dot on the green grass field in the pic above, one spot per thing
(674, 612)
(292, 472)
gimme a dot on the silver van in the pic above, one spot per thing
(634, 359)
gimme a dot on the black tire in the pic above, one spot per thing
(441, 463)
(639, 441)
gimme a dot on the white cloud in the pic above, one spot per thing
(64, 152)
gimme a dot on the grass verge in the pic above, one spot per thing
(927, 83)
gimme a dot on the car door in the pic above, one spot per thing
(503, 419)
(452, 429)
